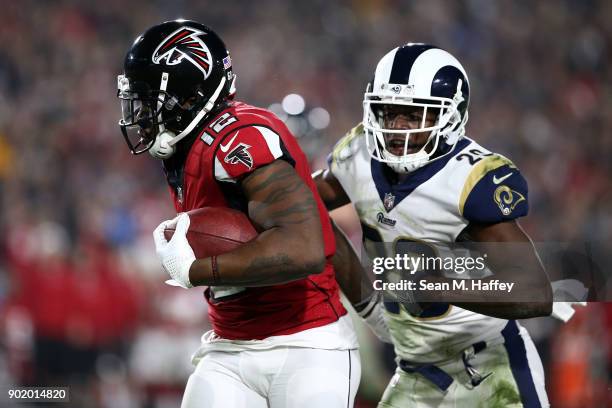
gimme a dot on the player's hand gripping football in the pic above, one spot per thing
(176, 255)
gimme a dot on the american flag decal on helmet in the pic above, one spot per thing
(184, 43)
(227, 62)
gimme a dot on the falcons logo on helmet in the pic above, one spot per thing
(184, 43)
(240, 154)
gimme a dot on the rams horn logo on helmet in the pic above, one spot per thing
(240, 154)
(184, 43)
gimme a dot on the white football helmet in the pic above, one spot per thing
(415, 78)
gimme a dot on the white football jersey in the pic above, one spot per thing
(433, 204)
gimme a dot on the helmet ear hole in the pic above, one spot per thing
(171, 103)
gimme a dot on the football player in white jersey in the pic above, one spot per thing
(413, 176)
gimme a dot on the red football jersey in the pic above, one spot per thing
(231, 145)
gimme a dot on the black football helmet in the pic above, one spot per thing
(175, 74)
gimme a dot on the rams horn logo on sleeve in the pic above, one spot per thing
(507, 199)
(184, 43)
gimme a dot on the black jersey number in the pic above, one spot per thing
(473, 156)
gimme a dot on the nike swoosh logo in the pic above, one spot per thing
(225, 148)
(499, 180)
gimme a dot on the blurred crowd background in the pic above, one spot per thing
(82, 300)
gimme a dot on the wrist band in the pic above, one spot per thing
(365, 307)
(215, 269)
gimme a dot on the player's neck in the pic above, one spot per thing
(402, 177)
(393, 177)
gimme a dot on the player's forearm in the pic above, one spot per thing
(529, 296)
(291, 245)
(514, 261)
(350, 275)
(276, 256)
(330, 190)
(487, 289)
(510, 310)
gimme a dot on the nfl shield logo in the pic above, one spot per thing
(389, 201)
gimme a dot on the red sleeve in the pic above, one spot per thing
(245, 149)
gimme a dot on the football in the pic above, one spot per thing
(215, 230)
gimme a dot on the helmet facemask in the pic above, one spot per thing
(154, 120)
(432, 121)
(145, 113)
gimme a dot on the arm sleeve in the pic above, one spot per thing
(242, 151)
(501, 194)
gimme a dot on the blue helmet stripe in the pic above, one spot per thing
(403, 61)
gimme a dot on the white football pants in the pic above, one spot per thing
(282, 377)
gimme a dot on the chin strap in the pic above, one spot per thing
(164, 145)
(207, 108)
(160, 100)
(161, 148)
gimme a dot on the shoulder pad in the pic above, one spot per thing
(347, 146)
(249, 114)
(245, 149)
(238, 116)
(494, 191)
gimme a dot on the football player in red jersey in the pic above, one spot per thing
(281, 337)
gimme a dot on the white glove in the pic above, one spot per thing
(176, 255)
(568, 289)
(565, 310)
